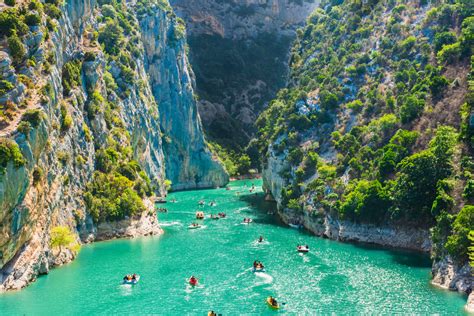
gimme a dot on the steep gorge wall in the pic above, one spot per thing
(62, 137)
(189, 163)
(239, 52)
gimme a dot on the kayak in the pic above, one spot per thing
(193, 283)
(194, 226)
(133, 282)
(277, 306)
(295, 226)
(246, 222)
(259, 269)
(302, 249)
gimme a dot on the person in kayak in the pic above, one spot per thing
(273, 301)
(193, 280)
(260, 239)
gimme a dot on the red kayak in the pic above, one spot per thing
(193, 281)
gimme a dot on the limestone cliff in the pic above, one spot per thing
(189, 163)
(81, 127)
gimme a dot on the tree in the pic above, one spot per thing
(17, 49)
(244, 164)
(459, 242)
(415, 187)
(61, 236)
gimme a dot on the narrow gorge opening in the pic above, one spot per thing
(239, 51)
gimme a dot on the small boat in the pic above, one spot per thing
(247, 221)
(272, 305)
(227, 188)
(199, 215)
(214, 216)
(193, 281)
(221, 215)
(132, 280)
(295, 226)
(258, 269)
(173, 201)
(302, 249)
(160, 201)
(201, 202)
(162, 210)
(211, 313)
(194, 226)
(212, 203)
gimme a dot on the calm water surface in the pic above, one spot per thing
(333, 278)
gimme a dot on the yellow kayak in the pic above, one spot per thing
(269, 302)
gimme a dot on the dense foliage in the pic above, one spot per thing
(371, 87)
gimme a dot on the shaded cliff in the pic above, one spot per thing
(239, 52)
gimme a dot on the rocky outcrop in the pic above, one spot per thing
(449, 275)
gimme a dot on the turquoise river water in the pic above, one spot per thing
(334, 277)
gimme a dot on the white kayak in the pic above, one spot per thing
(194, 226)
(295, 226)
(302, 249)
(132, 281)
(262, 269)
(246, 222)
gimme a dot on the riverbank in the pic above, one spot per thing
(333, 278)
(37, 258)
(446, 274)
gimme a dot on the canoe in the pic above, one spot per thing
(277, 306)
(132, 282)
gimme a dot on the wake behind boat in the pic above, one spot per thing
(194, 226)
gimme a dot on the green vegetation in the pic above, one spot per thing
(17, 49)
(61, 236)
(71, 76)
(369, 86)
(235, 164)
(9, 151)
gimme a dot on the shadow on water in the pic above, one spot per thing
(407, 258)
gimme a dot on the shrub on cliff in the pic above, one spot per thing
(9, 151)
(71, 76)
(11, 23)
(458, 242)
(17, 49)
(111, 197)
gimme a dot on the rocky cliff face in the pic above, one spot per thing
(189, 163)
(239, 52)
(81, 128)
(237, 19)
